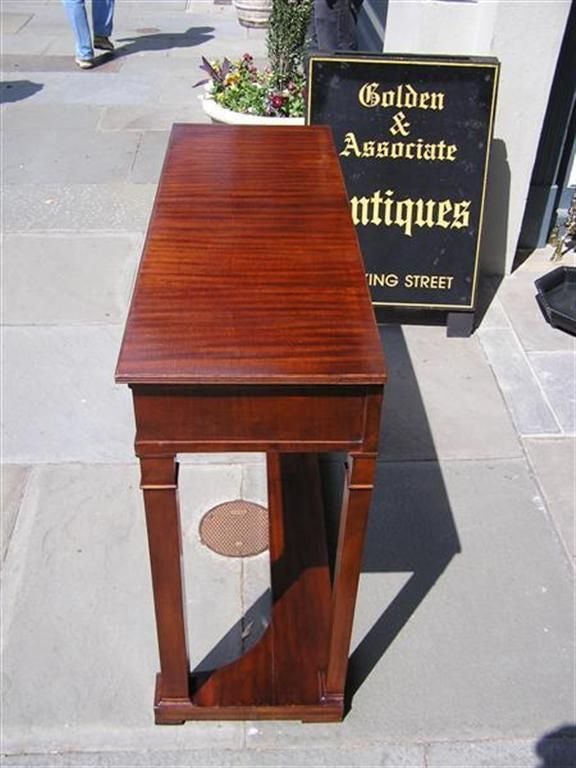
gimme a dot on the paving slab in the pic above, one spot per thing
(256, 594)
(217, 641)
(13, 63)
(121, 207)
(494, 315)
(59, 398)
(149, 157)
(166, 39)
(485, 754)
(12, 486)
(80, 655)
(150, 119)
(67, 280)
(92, 87)
(526, 401)
(28, 45)
(83, 118)
(556, 374)
(65, 154)
(12, 23)
(554, 464)
(432, 401)
(553, 750)
(464, 623)
(392, 756)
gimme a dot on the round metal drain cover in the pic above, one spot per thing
(235, 529)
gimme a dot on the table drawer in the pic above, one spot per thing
(226, 418)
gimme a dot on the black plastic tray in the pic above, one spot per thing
(557, 297)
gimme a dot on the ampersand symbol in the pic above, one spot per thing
(401, 125)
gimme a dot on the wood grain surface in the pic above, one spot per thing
(251, 271)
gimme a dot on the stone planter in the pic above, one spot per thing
(218, 114)
(253, 14)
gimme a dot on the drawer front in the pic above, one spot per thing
(227, 418)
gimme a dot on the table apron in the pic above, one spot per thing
(186, 419)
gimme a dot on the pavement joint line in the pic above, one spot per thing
(14, 565)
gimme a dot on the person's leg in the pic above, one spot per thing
(347, 37)
(334, 26)
(102, 17)
(76, 12)
(325, 26)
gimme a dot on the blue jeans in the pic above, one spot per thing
(102, 15)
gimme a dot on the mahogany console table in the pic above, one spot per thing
(251, 329)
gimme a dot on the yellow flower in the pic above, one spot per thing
(232, 78)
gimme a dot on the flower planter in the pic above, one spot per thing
(219, 114)
(253, 14)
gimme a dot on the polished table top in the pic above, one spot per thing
(251, 272)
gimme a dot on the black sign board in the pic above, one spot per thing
(413, 135)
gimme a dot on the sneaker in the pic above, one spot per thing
(85, 63)
(103, 43)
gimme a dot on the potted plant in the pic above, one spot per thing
(240, 92)
(253, 14)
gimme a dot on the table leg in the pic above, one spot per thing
(160, 489)
(355, 507)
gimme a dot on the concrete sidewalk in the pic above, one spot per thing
(463, 649)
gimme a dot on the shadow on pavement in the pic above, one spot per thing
(163, 41)
(411, 527)
(558, 749)
(18, 90)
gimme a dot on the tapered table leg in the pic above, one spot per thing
(160, 489)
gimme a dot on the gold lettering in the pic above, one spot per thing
(400, 125)
(368, 149)
(409, 150)
(424, 219)
(407, 214)
(382, 149)
(360, 210)
(461, 215)
(350, 145)
(444, 207)
(411, 100)
(431, 282)
(382, 280)
(376, 201)
(404, 216)
(404, 96)
(437, 100)
(368, 95)
(388, 202)
(398, 150)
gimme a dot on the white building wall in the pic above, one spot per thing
(525, 35)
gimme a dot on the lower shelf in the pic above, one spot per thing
(282, 676)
